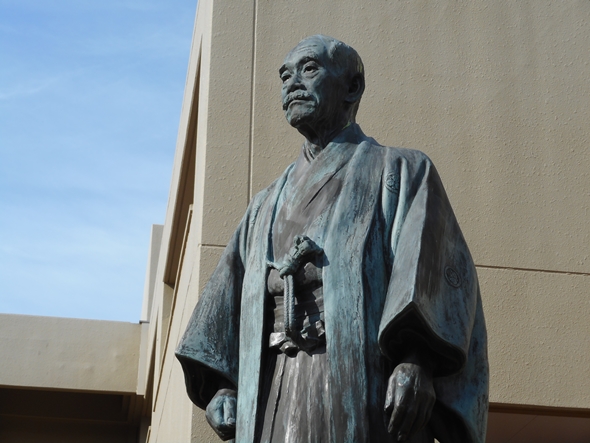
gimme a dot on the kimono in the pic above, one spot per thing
(395, 268)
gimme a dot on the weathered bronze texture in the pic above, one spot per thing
(346, 306)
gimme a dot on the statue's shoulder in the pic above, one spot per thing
(395, 154)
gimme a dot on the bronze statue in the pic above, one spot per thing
(346, 306)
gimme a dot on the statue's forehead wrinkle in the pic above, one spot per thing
(306, 49)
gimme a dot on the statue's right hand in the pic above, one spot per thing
(221, 413)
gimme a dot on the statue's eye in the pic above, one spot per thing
(310, 68)
(285, 77)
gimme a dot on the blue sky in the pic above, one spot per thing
(90, 99)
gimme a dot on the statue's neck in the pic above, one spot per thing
(351, 133)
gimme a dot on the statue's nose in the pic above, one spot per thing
(293, 84)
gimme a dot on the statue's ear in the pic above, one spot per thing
(356, 87)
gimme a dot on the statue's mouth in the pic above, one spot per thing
(296, 97)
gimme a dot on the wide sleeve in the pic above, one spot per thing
(208, 350)
(432, 293)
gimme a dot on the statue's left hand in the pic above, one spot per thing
(409, 400)
(221, 413)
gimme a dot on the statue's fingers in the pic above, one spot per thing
(429, 409)
(407, 424)
(226, 433)
(214, 413)
(229, 412)
(218, 417)
(424, 414)
(422, 418)
(389, 398)
(397, 418)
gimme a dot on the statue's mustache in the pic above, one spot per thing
(295, 95)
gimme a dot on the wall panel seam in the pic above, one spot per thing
(206, 245)
(545, 271)
(252, 83)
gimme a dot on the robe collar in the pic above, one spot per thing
(310, 175)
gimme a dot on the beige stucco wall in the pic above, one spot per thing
(68, 353)
(496, 93)
(68, 380)
(173, 417)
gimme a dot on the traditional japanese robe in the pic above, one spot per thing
(396, 269)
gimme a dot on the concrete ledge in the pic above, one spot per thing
(67, 353)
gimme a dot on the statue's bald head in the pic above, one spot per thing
(340, 59)
(343, 57)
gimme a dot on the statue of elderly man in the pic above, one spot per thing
(346, 306)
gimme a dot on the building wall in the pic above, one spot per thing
(68, 353)
(68, 380)
(35, 430)
(496, 93)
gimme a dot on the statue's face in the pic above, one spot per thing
(312, 93)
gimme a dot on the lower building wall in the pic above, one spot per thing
(174, 418)
(201, 432)
(40, 430)
(538, 332)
